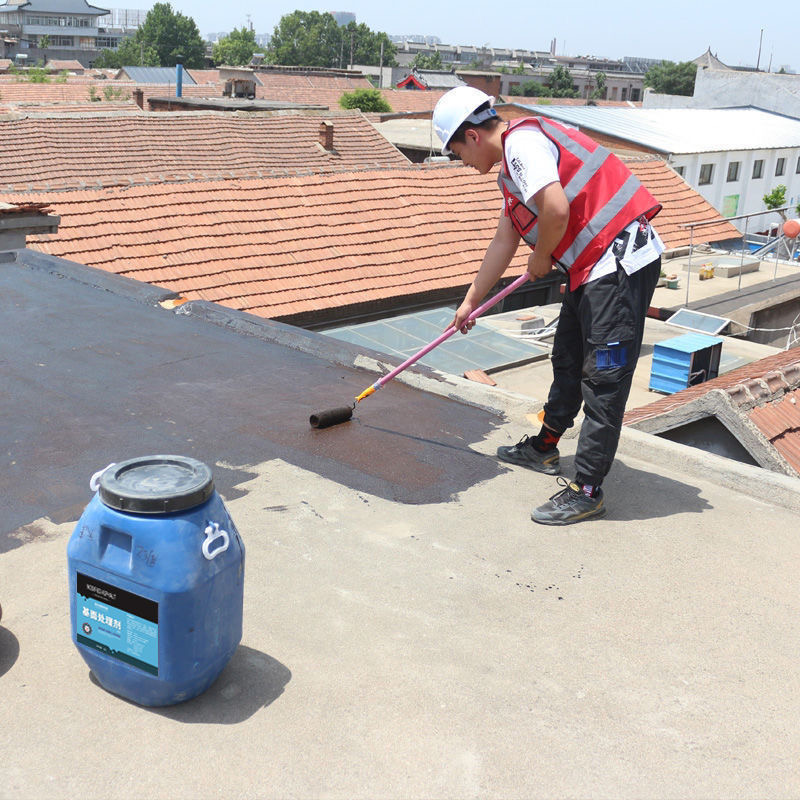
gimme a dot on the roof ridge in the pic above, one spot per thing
(246, 173)
(768, 388)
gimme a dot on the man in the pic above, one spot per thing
(583, 212)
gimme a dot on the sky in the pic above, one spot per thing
(678, 31)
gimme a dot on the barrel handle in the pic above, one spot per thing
(214, 532)
(94, 481)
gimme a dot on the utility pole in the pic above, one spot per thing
(352, 40)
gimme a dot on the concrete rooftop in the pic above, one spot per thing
(408, 631)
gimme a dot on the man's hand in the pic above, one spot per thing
(539, 266)
(460, 321)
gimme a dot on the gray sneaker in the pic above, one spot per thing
(524, 454)
(569, 505)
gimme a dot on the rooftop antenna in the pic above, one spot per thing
(760, 38)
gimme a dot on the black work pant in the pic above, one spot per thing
(595, 349)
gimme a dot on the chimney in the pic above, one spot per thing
(17, 222)
(138, 98)
(326, 136)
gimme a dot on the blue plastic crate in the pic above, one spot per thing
(685, 361)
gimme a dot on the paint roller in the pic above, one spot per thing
(335, 416)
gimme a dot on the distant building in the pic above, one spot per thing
(425, 79)
(724, 87)
(343, 17)
(624, 79)
(68, 29)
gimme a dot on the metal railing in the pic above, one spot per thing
(746, 217)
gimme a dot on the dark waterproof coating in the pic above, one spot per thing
(332, 416)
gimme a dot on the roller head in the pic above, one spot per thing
(331, 416)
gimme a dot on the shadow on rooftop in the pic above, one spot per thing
(635, 494)
(252, 680)
(9, 650)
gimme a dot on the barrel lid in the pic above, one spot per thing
(156, 484)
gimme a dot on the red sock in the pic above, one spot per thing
(545, 440)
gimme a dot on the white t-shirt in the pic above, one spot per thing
(533, 164)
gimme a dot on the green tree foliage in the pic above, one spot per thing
(669, 77)
(560, 83)
(136, 53)
(423, 61)
(600, 86)
(364, 100)
(38, 74)
(367, 46)
(308, 39)
(314, 39)
(531, 89)
(109, 59)
(776, 199)
(235, 49)
(164, 39)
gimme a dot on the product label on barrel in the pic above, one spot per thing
(118, 623)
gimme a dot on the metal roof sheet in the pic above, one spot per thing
(683, 130)
(165, 75)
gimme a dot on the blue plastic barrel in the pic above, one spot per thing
(156, 578)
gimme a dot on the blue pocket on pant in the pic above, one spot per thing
(611, 355)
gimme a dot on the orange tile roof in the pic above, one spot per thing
(738, 383)
(65, 64)
(291, 244)
(764, 394)
(779, 422)
(285, 245)
(204, 75)
(308, 89)
(119, 148)
(70, 92)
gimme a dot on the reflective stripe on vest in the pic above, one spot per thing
(604, 197)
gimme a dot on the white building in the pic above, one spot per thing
(726, 88)
(731, 156)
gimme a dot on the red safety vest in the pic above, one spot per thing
(604, 197)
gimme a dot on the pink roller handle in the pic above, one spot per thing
(451, 330)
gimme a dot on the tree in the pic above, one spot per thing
(422, 61)
(670, 77)
(164, 39)
(560, 83)
(776, 199)
(306, 38)
(109, 59)
(364, 100)
(133, 53)
(38, 74)
(366, 46)
(235, 49)
(531, 89)
(600, 89)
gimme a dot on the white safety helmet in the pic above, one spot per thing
(458, 106)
